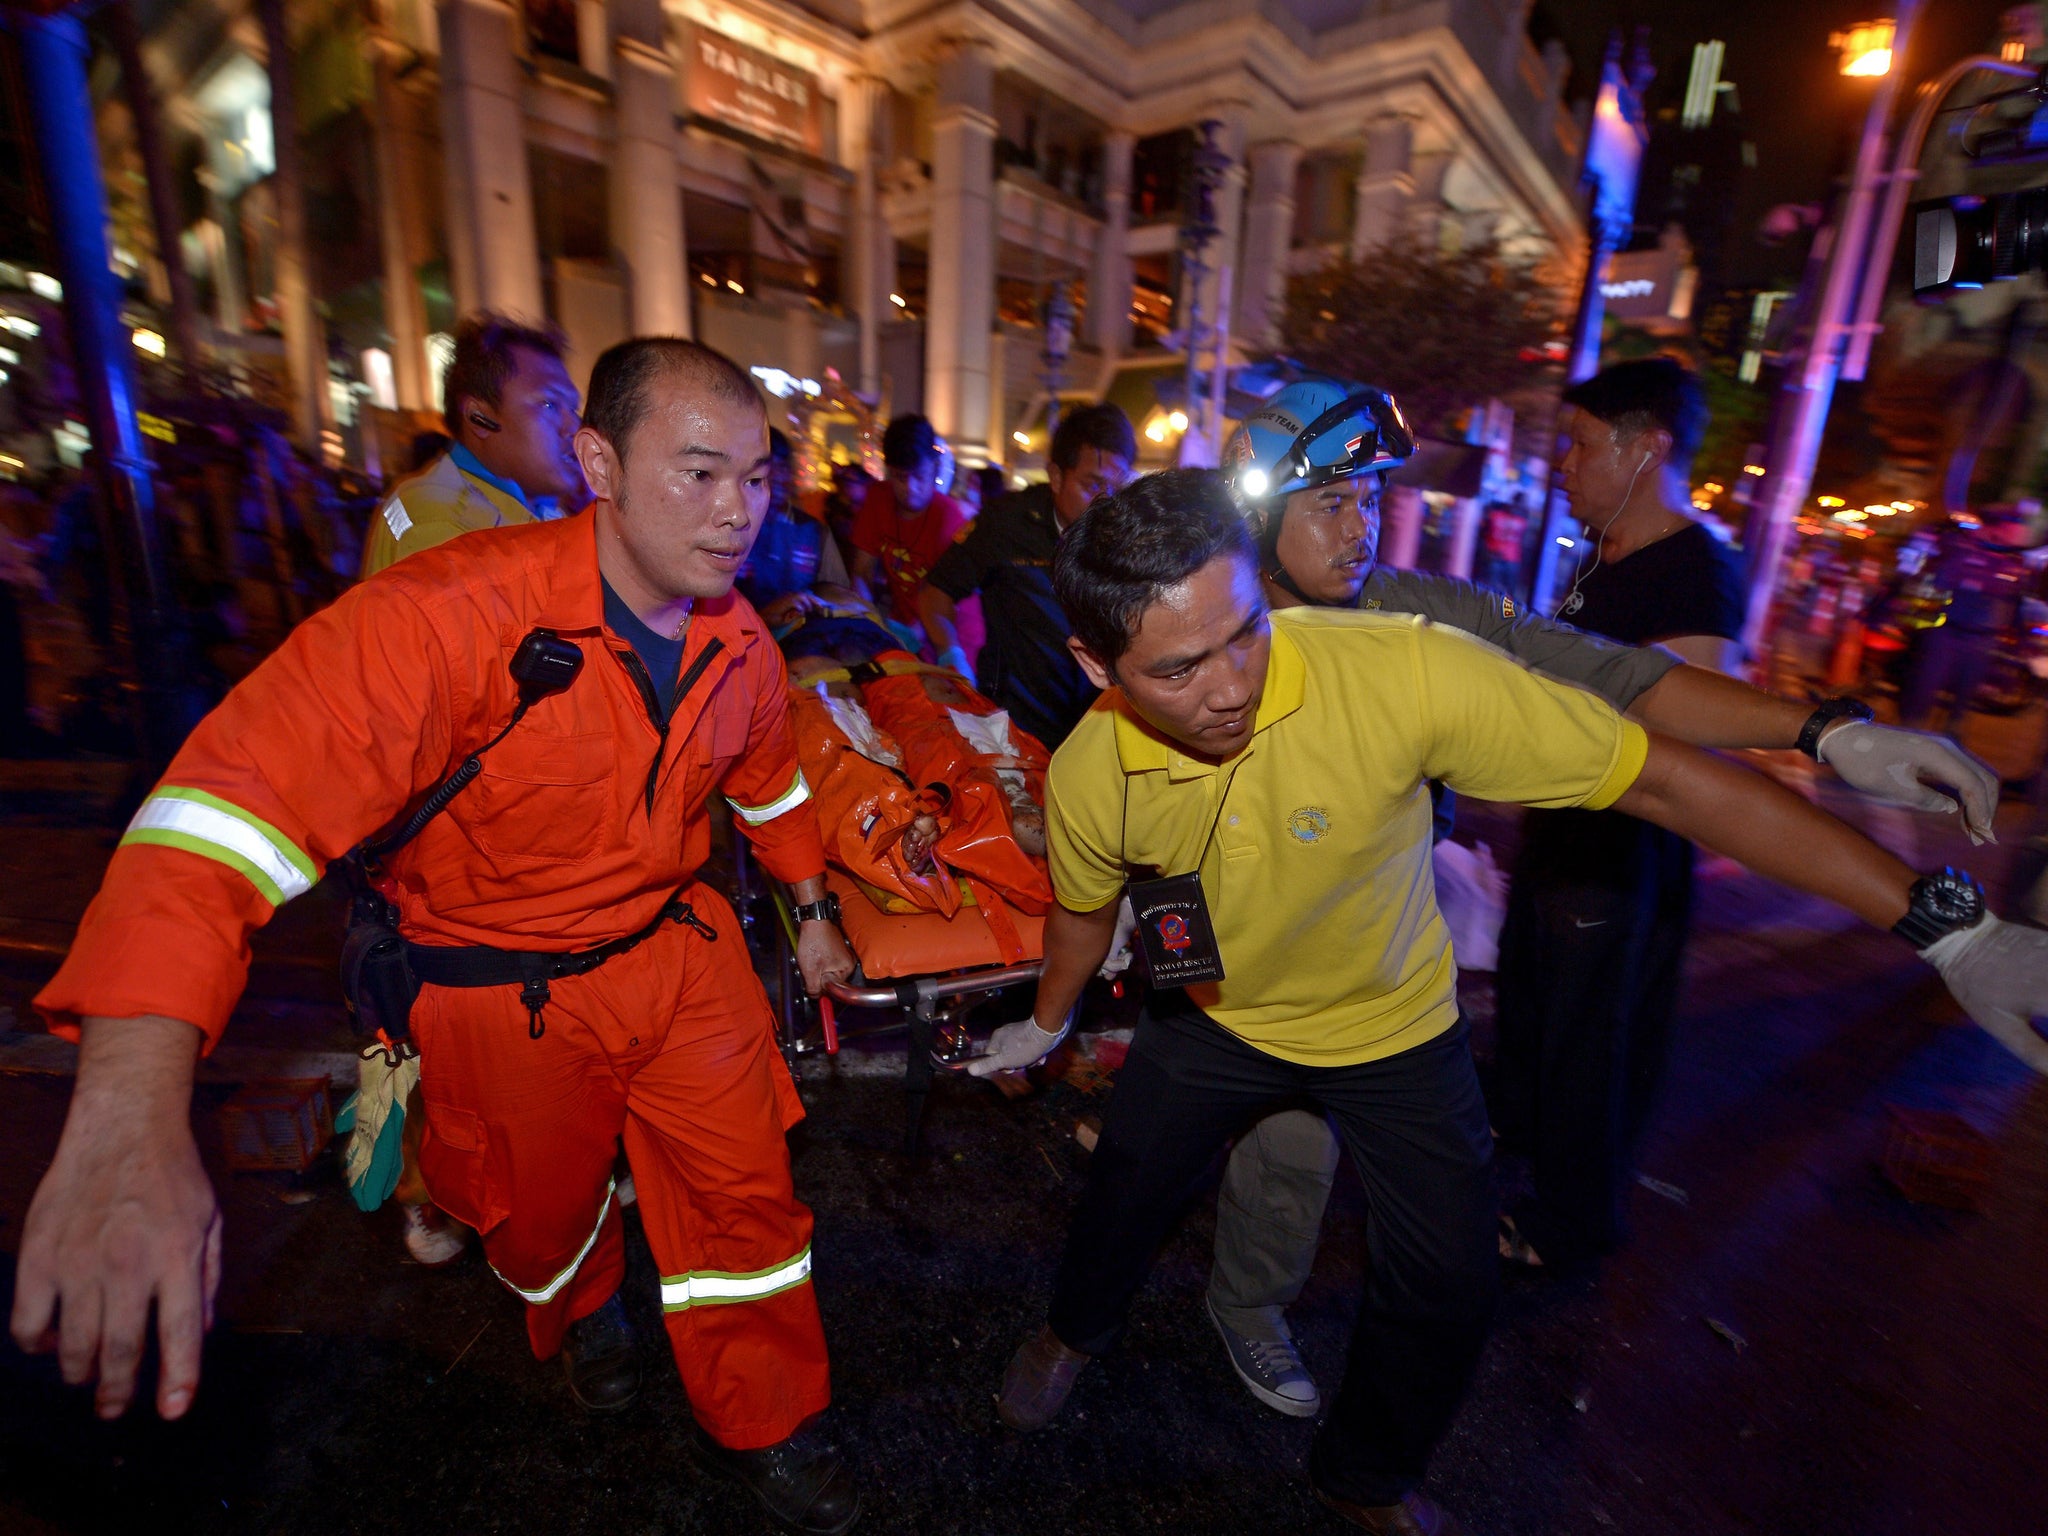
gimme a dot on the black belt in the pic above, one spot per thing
(479, 965)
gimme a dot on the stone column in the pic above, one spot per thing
(1401, 527)
(1228, 249)
(493, 253)
(1386, 184)
(646, 199)
(1109, 282)
(870, 251)
(594, 37)
(1268, 243)
(405, 307)
(305, 337)
(961, 307)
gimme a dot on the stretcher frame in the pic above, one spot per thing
(929, 1007)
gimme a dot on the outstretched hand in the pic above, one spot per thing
(1913, 768)
(1998, 971)
(124, 1218)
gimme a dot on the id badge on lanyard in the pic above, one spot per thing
(1174, 930)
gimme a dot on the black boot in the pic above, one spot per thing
(803, 1485)
(600, 1359)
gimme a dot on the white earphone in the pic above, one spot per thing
(1573, 602)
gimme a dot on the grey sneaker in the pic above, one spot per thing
(1272, 1372)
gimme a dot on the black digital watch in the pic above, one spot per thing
(1939, 906)
(825, 910)
(1826, 715)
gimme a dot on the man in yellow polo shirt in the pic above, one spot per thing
(511, 412)
(1262, 777)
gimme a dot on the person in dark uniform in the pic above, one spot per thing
(1601, 902)
(1006, 556)
(1985, 574)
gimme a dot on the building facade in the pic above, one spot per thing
(884, 190)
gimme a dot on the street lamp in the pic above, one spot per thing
(1059, 343)
(1866, 48)
(1809, 386)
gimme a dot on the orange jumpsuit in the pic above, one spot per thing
(585, 820)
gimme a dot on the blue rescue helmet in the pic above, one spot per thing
(1312, 432)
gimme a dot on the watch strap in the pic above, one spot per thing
(1925, 922)
(823, 910)
(1829, 711)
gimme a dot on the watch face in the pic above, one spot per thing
(1953, 898)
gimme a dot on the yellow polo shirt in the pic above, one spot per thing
(1318, 876)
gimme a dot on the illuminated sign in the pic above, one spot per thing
(729, 82)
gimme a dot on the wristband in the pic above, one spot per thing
(1826, 715)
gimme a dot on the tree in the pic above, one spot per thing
(1441, 331)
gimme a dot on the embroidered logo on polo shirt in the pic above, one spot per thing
(1309, 824)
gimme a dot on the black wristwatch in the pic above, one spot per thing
(1829, 712)
(1940, 905)
(825, 910)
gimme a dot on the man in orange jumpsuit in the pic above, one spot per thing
(586, 825)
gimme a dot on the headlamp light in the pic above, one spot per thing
(1253, 482)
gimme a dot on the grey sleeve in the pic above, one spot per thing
(1620, 674)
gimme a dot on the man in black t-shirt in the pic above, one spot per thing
(1601, 902)
(1005, 554)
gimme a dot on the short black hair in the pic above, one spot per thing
(908, 442)
(620, 381)
(484, 360)
(1648, 392)
(1129, 547)
(1105, 428)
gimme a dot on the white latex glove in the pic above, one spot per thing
(1023, 1044)
(1998, 971)
(954, 659)
(1911, 768)
(1119, 959)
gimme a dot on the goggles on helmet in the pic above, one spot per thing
(1374, 436)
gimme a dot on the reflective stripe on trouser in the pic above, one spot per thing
(712, 1289)
(671, 1048)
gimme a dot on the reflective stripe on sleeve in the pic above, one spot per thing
(395, 518)
(715, 1288)
(755, 815)
(548, 1292)
(191, 819)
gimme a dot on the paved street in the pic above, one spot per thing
(1787, 1345)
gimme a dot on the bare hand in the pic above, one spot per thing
(823, 955)
(124, 1217)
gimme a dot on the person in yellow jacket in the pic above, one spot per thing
(511, 409)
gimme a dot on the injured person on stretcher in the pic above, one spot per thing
(930, 798)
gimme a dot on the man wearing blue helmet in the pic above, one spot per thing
(1308, 469)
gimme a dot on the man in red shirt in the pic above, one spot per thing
(905, 524)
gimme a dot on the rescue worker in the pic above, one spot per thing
(581, 983)
(1311, 500)
(512, 414)
(1266, 771)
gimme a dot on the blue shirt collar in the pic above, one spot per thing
(471, 465)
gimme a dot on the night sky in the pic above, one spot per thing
(1802, 115)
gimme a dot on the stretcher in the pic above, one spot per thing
(929, 803)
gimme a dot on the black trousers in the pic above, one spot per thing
(1416, 1129)
(1590, 961)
